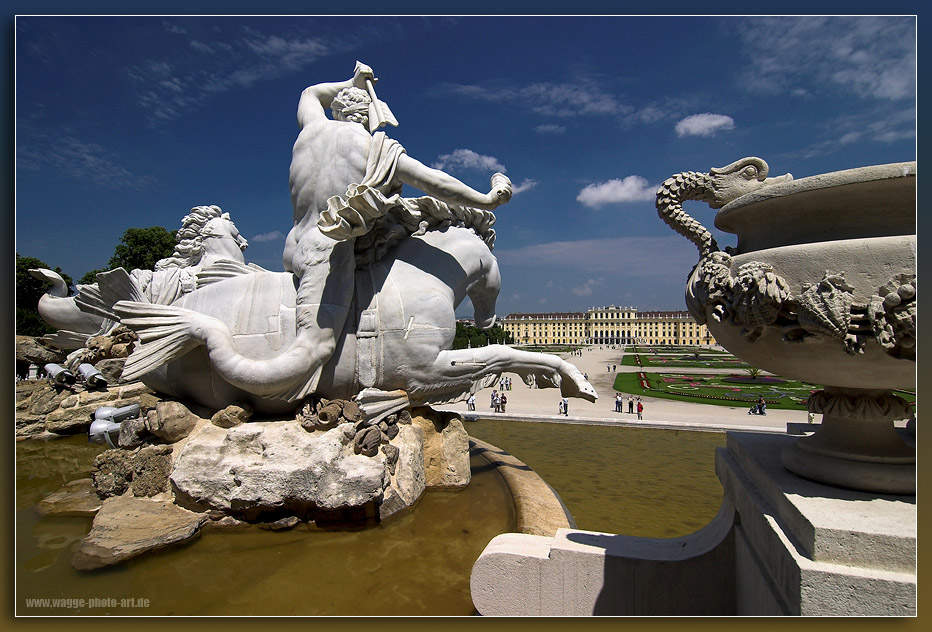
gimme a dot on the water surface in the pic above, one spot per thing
(630, 481)
(633, 481)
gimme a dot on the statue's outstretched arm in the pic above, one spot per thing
(445, 187)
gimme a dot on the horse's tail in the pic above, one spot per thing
(165, 333)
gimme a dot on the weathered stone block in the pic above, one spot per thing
(171, 421)
(112, 472)
(133, 389)
(75, 498)
(45, 400)
(152, 466)
(446, 448)
(267, 467)
(128, 526)
(232, 415)
(132, 433)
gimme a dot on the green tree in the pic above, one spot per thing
(142, 247)
(472, 336)
(28, 292)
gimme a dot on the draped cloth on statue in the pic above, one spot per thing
(374, 213)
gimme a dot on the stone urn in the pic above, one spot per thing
(821, 287)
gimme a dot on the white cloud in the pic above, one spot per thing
(468, 159)
(81, 160)
(868, 56)
(550, 129)
(551, 99)
(272, 236)
(201, 47)
(209, 65)
(630, 189)
(173, 28)
(705, 124)
(586, 288)
(526, 185)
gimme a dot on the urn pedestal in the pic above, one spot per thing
(821, 287)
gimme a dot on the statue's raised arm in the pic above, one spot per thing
(316, 99)
(345, 185)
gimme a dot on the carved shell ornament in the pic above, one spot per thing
(755, 297)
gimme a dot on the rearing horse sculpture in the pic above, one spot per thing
(395, 347)
(372, 282)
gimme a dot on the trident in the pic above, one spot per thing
(379, 112)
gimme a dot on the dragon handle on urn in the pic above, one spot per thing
(754, 296)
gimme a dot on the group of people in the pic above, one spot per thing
(611, 368)
(504, 383)
(759, 408)
(632, 405)
(499, 400)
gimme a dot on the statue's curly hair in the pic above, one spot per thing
(351, 104)
(190, 249)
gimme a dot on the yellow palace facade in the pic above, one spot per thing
(606, 325)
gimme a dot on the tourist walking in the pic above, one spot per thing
(618, 400)
(471, 402)
(630, 404)
(640, 410)
(492, 402)
(502, 401)
(560, 407)
(566, 407)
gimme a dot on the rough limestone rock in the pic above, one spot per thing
(171, 421)
(76, 498)
(408, 480)
(271, 467)
(132, 433)
(282, 524)
(232, 415)
(28, 349)
(446, 448)
(112, 472)
(118, 343)
(41, 407)
(47, 398)
(127, 526)
(152, 466)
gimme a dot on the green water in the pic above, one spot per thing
(415, 564)
(631, 481)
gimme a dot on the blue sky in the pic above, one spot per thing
(130, 121)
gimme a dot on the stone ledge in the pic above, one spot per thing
(538, 508)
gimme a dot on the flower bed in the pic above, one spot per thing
(761, 379)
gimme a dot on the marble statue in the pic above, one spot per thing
(207, 236)
(366, 305)
(59, 310)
